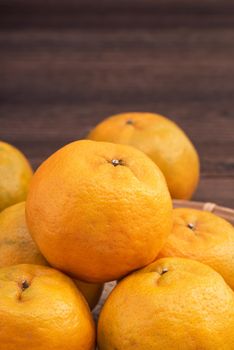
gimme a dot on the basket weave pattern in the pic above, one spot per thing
(225, 213)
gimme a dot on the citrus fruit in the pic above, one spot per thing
(162, 140)
(172, 304)
(17, 247)
(40, 308)
(16, 244)
(91, 291)
(99, 210)
(202, 236)
(15, 175)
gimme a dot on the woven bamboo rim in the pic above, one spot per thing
(225, 213)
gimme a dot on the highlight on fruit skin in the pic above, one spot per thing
(202, 236)
(15, 175)
(162, 140)
(40, 308)
(17, 247)
(98, 210)
(171, 304)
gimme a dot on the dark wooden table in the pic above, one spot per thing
(65, 65)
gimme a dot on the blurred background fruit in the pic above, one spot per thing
(202, 236)
(40, 308)
(15, 175)
(162, 140)
(173, 304)
(99, 210)
(17, 247)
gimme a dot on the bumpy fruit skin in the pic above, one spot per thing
(98, 210)
(202, 236)
(16, 244)
(40, 308)
(15, 175)
(17, 247)
(172, 304)
(162, 140)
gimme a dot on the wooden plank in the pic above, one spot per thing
(50, 7)
(62, 86)
(104, 13)
(148, 65)
(39, 131)
(64, 68)
(219, 191)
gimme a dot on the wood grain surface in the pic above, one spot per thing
(65, 65)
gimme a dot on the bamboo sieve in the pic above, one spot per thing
(225, 213)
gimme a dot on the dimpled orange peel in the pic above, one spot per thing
(202, 236)
(99, 210)
(17, 247)
(15, 175)
(41, 309)
(172, 304)
(162, 140)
